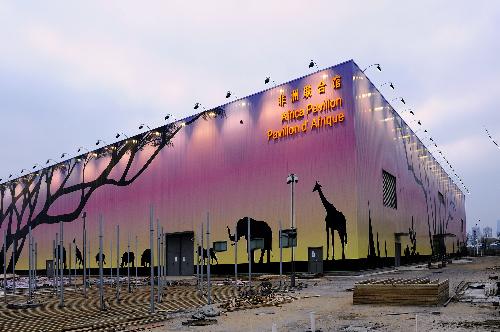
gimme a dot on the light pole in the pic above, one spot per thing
(292, 179)
(84, 215)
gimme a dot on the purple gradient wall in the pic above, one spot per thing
(228, 167)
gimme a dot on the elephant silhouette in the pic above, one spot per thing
(146, 258)
(129, 258)
(258, 229)
(103, 259)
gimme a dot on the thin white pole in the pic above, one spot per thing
(128, 263)
(202, 251)
(56, 267)
(74, 247)
(118, 262)
(30, 265)
(101, 277)
(135, 260)
(5, 266)
(14, 249)
(69, 270)
(84, 259)
(54, 260)
(111, 260)
(209, 248)
(151, 262)
(61, 256)
(197, 263)
(236, 255)
(313, 321)
(89, 260)
(281, 255)
(158, 271)
(250, 254)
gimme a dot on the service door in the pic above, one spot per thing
(186, 254)
(315, 259)
(173, 253)
(180, 254)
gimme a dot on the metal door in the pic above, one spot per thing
(397, 254)
(173, 253)
(186, 254)
(180, 254)
(315, 259)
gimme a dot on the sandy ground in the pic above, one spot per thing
(331, 300)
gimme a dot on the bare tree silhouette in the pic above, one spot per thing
(27, 201)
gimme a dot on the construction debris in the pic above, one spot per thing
(393, 291)
(264, 296)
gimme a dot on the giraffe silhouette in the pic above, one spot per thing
(335, 220)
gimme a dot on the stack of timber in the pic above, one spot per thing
(394, 291)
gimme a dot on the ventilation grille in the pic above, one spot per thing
(389, 190)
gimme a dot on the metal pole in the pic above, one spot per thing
(236, 255)
(36, 264)
(158, 272)
(61, 256)
(101, 277)
(111, 260)
(118, 262)
(128, 265)
(74, 247)
(281, 256)
(135, 260)
(30, 263)
(84, 259)
(197, 263)
(56, 266)
(292, 281)
(209, 247)
(14, 249)
(69, 270)
(89, 260)
(54, 262)
(250, 254)
(162, 259)
(151, 265)
(5, 266)
(202, 251)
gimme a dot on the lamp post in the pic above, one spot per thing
(84, 215)
(292, 179)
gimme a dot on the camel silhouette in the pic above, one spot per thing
(335, 220)
(128, 258)
(205, 255)
(78, 254)
(258, 229)
(103, 259)
(146, 258)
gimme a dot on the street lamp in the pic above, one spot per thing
(292, 179)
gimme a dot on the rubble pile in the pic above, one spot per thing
(264, 296)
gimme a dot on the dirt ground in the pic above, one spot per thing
(330, 298)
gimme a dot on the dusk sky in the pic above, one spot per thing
(72, 74)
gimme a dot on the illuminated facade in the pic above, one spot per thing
(364, 177)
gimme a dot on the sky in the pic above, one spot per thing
(72, 73)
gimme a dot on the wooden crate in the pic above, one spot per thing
(395, 291)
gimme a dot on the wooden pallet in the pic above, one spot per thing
(395, 291)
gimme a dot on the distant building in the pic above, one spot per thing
(487, 232)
